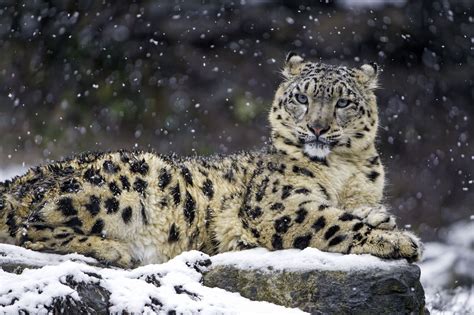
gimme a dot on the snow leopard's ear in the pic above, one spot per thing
(367, 75)
(293, 65)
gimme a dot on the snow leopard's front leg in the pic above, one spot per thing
(362, 198)
(311, 224)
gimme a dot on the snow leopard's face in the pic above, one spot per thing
(322, 108)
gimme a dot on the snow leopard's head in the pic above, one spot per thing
(319, 109)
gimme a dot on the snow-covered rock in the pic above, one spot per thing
(40, 283)
(320, 282)
(193, 282)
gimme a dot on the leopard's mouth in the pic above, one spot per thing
(317, 141)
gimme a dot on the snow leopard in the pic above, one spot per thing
(319, 183)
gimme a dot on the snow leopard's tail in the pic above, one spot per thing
(8, 220)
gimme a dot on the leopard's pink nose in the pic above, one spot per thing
(318, 129)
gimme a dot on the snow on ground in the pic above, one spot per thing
(34, 289)
(447, 272)
(18, 255)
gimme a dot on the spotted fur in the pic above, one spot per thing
(319, 184)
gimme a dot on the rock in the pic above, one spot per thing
(94, 299)
(311, 280)
(393, 289)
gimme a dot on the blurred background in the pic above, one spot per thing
(197, 77)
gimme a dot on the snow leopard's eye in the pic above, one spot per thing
(302, 99)
(342, 103)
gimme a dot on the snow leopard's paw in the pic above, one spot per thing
(377, 217)
(381, 220)
(411, 246)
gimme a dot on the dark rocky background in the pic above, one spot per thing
(198, 77)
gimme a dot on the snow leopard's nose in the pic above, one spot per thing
(318, 129)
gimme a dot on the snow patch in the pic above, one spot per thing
(446, 271)
(301, 260)
(11, 254)
(132, 291)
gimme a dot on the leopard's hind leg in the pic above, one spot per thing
(65, 240)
